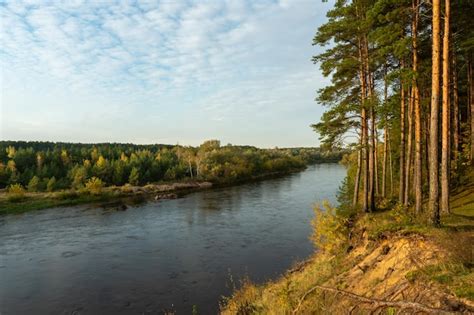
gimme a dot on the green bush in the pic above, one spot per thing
(51, 185)
(16, 192)
(33, 185)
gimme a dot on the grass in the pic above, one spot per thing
(29, 203)
(456, 277)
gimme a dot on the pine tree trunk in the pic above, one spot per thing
(416, 104)
(455, 107)
(408, 164)
(355, 198)
(372, 149)
(445, 147)
(433, 204)
(402, 144)
(376, 162)
(384, 162)
(364, 133)
(471, 102)
(385, 136)
(390, 164)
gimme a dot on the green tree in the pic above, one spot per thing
(134, 178)
(51, 186)
(33, 185)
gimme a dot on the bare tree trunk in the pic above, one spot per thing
(390, 163)
(471, 102)
(370, 90)
(409, 151)
(445, 147)
(355, 198)
(402, 144)
(385, 136)
(416, 104)
(384, 162)
(455, 113)
(364, 132)
(376, 161)
(372, 165)
(433, 154)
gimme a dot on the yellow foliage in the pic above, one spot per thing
(329, 230)
(94, 186)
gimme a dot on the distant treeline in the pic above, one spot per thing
(49, 166)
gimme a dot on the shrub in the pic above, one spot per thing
(51, 185)
(94, 186)
(330, 232)
(33, 185)
(16, 192)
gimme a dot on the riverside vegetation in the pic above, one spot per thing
(400, 240)
(37, 175)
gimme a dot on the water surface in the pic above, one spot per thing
(157, 256)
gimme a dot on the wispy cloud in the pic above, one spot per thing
(152, 65)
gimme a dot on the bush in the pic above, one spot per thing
(51, 185)
(94, 186)
(330, 231)
(33, 185)
(16, 192)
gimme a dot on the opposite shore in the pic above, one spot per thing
(116, 195)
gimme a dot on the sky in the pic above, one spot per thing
(169, 71)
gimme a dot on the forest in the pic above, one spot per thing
(402, 92)
(402, 96)
(48, 166)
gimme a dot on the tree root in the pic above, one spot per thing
(375, 302)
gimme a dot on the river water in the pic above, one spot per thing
(157, 256)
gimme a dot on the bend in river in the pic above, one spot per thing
(170, 254)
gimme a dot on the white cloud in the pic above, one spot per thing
(219, 60)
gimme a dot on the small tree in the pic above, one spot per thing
(51, 185)
(134, 177)
(33, 185)
(94, 186)
(16, 192)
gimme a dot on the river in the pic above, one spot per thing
(157, 256)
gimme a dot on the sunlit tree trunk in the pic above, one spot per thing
(390, 163)
(471, 102)
(433, 203)
(384, 161)
(445, 147)
(455, 108)
(385, 136)
(355, 198)
(408, 163)
(402, 144)
(364, 133)
(372, 165)
(417, 106)
(376, 161)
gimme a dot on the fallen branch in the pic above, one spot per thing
(376, 302)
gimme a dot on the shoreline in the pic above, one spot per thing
(115, 195)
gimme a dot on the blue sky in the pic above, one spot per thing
(167, 71)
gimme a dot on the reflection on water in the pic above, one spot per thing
(170, 254)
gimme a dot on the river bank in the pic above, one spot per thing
(170, 190)
(384, 262)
